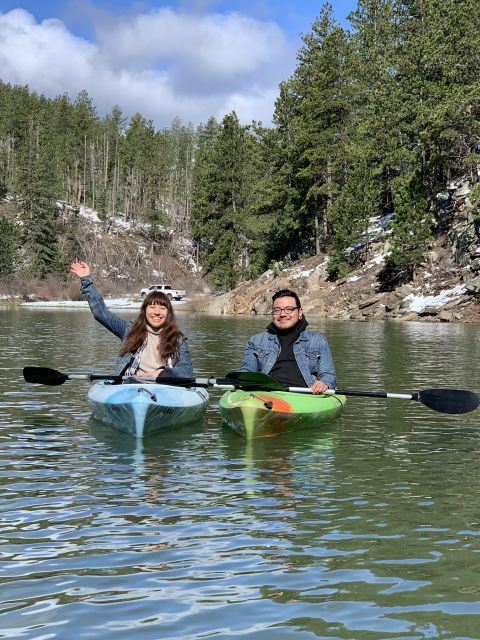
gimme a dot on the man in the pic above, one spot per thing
(288, 352)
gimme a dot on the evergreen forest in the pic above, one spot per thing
(376, 119)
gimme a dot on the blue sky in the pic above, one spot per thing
(191, 59)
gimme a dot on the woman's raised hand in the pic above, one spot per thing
(80, 269)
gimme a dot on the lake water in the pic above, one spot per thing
(366, 530)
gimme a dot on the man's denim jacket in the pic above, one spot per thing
(120, 327)
(311, 352)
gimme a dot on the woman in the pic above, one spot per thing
(151, 344)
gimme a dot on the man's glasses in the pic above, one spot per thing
(276, 311)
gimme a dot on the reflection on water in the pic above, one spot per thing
(365, 530)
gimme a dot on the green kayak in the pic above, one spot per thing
(259, 413)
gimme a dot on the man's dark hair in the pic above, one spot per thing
(286, 292)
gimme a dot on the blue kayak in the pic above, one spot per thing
(143, 408)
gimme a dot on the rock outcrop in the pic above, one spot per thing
(446, 286)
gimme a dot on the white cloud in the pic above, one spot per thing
(162, 64)
(46, 56)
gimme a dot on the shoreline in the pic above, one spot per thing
(113, 303)
(221, 308)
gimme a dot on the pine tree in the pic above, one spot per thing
(9, 242)
(37, 204)
(282, 193)
(322, 82)
(109, 191)
(182, 140)
(84, 122)
(306, 168)
(358, 201)
(203, 184)
(376, 139)
(72, 249)
(411, 229)
(438, 75)
(138, 151)
(219, 204)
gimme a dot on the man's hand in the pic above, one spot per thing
(318, 387)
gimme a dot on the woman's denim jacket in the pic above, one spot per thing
(311, 352)
(120, 327)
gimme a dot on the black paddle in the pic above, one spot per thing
(443, 400)
(451, 401)
(52, 377)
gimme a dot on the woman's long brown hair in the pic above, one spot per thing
(168, 345)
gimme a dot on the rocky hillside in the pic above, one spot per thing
(446, 287)
(123, 256)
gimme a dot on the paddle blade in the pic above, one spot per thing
(43, 375)
(449, 400)
(249, 380)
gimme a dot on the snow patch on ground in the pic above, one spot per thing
(378, 259)
(303, 274)
(380, 223)
(419, 303)
(111, 303)
(89, 214)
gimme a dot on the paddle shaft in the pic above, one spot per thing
(367, 394)
(217, 383)
(44, 375)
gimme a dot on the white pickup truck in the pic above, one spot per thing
(173, 294)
